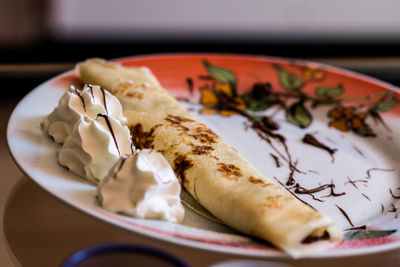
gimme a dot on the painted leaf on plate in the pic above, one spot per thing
(324, 101)
(367, 234)
(258, 104)
(223, 75)
(289, 80)
(387, 102)
(329, 91)
(298, 115)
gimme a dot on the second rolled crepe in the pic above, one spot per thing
(214, 173)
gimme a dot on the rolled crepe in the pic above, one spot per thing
(214, 173)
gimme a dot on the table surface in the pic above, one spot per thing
(39, 230)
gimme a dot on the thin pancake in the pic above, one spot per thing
(215, 174)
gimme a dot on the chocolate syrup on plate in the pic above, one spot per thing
(311, 140)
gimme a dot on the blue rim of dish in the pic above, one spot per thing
(121, 247)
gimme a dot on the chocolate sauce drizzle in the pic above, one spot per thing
(294, 194)
(394, 209)
(353, 182)
(264, 130)
(290, 180)
(111, 131)
(276, 159)
(358, 151)
(301, 190)
(345, 215)
(362, 227)
(104, 99)
(332, 193)
(81, 98)
(311, 140)
(91, 89)
(393, 195)
(266, 134)
(123, 159)
(377, 169)
(364, 195)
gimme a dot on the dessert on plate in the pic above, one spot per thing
(214, 173)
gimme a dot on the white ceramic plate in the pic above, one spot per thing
(364, 168)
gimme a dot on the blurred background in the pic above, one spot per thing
(41, 38)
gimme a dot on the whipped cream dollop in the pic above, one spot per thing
(142, 185)
(95, 146)
(74, 104)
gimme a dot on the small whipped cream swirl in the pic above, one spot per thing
(95, 146)
(74, 104)
(142, 185)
